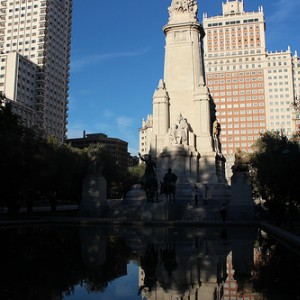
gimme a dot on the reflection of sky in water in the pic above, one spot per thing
(123, 288)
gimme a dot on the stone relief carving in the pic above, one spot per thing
(184, 6)
(180, 36)
(179, 131)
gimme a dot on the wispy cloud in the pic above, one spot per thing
(116, 126)
(124, 122)
(107, 114)
(283, 10)
(101, 127)
(86, 61)
(75, 130)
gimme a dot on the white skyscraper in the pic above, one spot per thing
(35, 37)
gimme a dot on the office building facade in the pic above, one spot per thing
(145, 135)
(117, 148)
(35, 39)
(253, 89)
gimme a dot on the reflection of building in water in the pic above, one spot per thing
(192, 269)
(233, 290)
(216, 267)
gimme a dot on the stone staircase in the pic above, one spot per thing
(136, 208)
(208, 208)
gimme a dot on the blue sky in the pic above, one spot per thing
(122, 288)
(117, 58)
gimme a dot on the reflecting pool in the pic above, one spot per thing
(122, 262)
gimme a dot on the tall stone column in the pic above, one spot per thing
(161, 121)
(182, 117)
(160, 110)
(203, 122)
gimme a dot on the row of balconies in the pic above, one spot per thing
(43, 25)
(40, 96)
(41, 79)
(40, 92)
(40, 107)
(43, 31)
(41, 86)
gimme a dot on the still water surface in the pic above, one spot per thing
(125, 263)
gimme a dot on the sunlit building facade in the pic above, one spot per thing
(145, 134)
(35, 38)
(253, 89)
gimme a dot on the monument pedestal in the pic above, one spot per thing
(208, 169)
(241, 204)
(182, 159)
(190, 167)
(135, 195)
(184, 162)
(93, 202)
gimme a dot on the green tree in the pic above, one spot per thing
(134, 175)
(33, 166)
(15, 158)
(102, 156)
(61, 173)
(275, 171)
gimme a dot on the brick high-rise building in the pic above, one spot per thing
(253, 89)
(35, 37)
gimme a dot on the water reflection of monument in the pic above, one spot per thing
(210, 266)
(179, 262)
(183, 136)
(175, 263)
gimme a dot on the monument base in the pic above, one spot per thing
(190, 166)
(136, 194)
(93, 203)
(241, 204)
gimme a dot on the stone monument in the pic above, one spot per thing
(94, 189)
(241, 203)
(183, 136)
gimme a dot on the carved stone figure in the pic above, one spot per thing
(216, 134)
(216, 128)
(241, 162)
(184, 6)
(179, 131)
